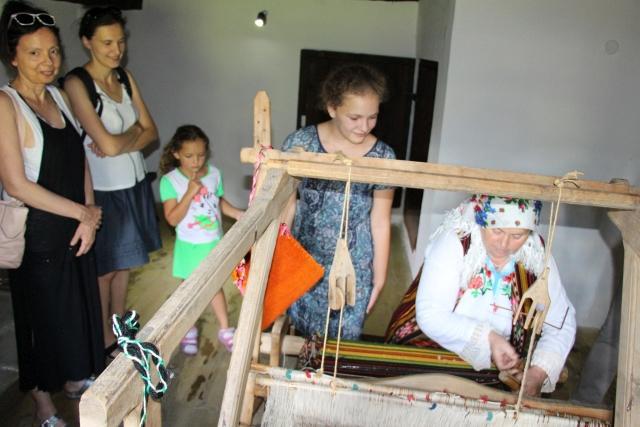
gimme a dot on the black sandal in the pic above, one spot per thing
(77, 394)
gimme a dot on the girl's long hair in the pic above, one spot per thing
(183, 134)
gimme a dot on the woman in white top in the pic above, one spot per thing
(54, 292)
(114, 139)
(471, 285)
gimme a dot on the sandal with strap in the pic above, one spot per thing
(189, 344)
(77, 394)
(225, 336)
(52, 421)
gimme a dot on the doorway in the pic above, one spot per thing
(407, 96)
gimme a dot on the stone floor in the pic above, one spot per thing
(196, 392)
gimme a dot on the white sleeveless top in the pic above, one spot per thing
(124, 170)
(29, 127)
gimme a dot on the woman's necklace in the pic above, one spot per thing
(47, 110)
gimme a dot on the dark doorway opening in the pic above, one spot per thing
(406, 94)
(421, 134)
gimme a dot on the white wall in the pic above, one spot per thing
(523, 85)
(435, 24)
(530, 87)
(202, 61)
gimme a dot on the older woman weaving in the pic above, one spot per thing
(477, 265)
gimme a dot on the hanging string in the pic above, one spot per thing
(324, 342)
(240, 273)
(335, 365)
(143, 355)
(260, 157)
(344, 223)
(572, 178)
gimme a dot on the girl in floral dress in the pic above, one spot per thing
(351, 94)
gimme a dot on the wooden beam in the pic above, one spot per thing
(289, 345)
(419, 384)
(451, 178)
(278, 331)
(261, 121)
(628, 383)
(629, 225)
(248, 327)
(118, 390)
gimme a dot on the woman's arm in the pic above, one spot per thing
(89, 196)
(558, 332)
(381, 235)
(145, 121)
(84, 233)
(436, 300)
(229, 210)
(16, 183)
(110, 145)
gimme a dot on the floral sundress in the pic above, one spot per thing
(317, 225)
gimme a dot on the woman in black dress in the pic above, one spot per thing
(54, 292)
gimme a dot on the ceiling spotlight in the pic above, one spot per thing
(261, 19)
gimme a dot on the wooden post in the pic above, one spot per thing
(277, 333)
(133, 418)
(248, 327)
(154, 415)
(118, 390)
(246, 416)
(628, 383)
(261, 121)
(261, 130)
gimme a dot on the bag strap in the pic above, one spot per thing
(123, 78)
(90, 87)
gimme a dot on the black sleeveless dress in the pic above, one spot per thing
(56, 302)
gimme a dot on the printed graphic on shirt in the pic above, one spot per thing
(201, 224)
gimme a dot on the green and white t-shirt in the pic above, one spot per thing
(202, 223)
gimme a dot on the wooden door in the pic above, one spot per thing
(420, 136)
(395, 113)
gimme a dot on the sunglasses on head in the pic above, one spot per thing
(25, 19)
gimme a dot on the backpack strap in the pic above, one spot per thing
(123, 78)
(89, 85)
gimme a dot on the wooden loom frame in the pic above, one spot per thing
(116, 395)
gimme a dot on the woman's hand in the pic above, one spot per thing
(535, 379)
(96, 150)
(86, 235)
(504, 356)
(90, 221)
(91, 216)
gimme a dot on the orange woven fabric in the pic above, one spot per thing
(293, 273)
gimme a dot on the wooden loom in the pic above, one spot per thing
(116, 397)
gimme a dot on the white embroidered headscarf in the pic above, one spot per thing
(482, 211)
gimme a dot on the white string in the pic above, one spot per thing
(570, 177)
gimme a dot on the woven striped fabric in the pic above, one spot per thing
(407, 350)
(359, 358)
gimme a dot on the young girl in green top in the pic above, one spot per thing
(192, 195)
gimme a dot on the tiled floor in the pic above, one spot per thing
(196, 392)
